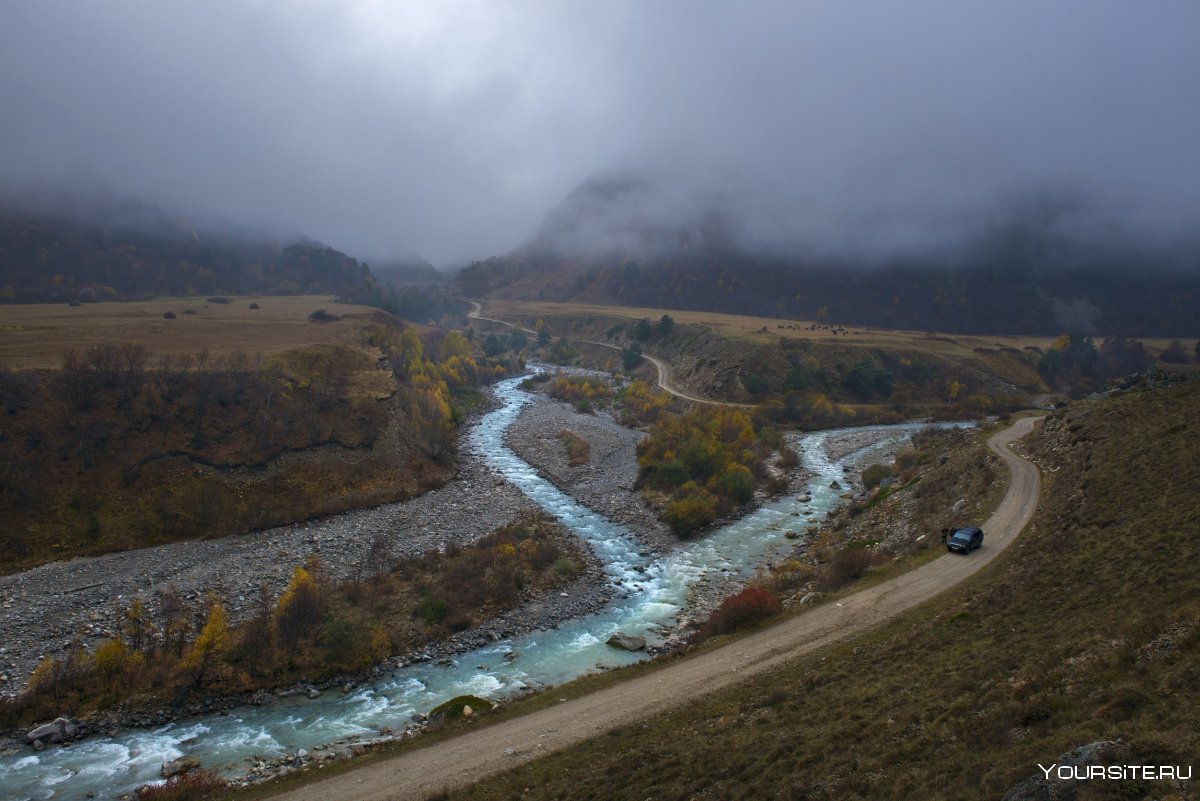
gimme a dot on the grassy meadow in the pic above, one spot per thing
(35, 336)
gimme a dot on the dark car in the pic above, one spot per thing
(965, 540)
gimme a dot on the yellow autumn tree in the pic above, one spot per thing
(110, 658)
(455, 344)
(410, 354)
(298, 610)
(210, 644)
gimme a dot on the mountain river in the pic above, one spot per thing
(652, 592)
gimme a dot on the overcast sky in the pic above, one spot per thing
(452, 128)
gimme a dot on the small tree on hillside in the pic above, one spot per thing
(210, 645)
(643, 330)
(298, 610)
(1174, 353)
(631, 356)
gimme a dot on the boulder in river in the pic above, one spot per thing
(180, 765)
(835, 485)
(627, 642)
(57, 731)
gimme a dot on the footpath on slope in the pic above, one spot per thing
(476, 755)
(664, 369)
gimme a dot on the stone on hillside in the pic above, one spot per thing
(467, 711)
(627, 642)
(179, 766)
(1040, 787)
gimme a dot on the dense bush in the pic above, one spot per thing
(694, 510)
(579, 390)
(641, 403)
(874, 475)
(706, 461)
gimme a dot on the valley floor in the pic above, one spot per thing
(473, 757)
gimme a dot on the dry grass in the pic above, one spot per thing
(578, 450)
(746, 327)
(35, 336)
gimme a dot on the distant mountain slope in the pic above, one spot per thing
(141, 252)
(612, 242)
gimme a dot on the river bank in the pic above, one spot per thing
(649, 595)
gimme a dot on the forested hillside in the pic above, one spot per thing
(47, 257)
(1021, 275)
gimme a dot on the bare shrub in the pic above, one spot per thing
(847, 565)
(195, 785)
(322, 316)
(742, 609)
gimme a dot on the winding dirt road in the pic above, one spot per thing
(664, 369)
(487, 751)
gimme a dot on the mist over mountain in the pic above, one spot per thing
(1044, 263)
(73, 247)
(451, 128)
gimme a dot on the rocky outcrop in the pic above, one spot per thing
(179, 766)
(57, 731)
(1043, 786)
(627, 642)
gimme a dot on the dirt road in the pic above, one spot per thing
(479, 754)
(664, 369)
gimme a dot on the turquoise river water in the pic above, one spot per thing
(654, 592)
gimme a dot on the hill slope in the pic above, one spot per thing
(613, 241)
(1088, 630)
(142, 252)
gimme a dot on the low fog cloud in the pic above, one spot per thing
(452, 128)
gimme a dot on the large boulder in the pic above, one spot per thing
(627, 642)
(179, 765)
(57, 731)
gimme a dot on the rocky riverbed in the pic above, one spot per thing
(605, 482)
(55, 607)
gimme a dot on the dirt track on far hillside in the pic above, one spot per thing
(664, 369)
(476, 755)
